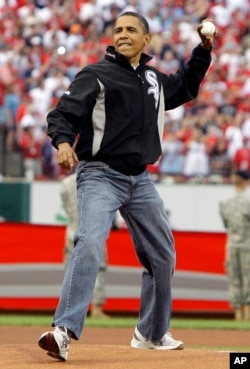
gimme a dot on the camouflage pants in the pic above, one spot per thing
(238, 270)
(99, 294)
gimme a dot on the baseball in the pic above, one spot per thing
(208, 28)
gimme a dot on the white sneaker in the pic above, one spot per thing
(166, 343)
(56, 343)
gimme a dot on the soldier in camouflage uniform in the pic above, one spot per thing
(235, 213)
(69, 199)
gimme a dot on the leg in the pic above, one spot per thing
(98, 201)
(245, 262)
(97, 205)
(146, 218)
(235, 281)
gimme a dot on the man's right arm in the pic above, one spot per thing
(66, 119)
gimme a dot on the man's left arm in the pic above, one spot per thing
(184, 86)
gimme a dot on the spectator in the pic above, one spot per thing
(246, 128)
(6, 126)
(220, 165)
(197, 9)
(54, 36)
(171, 162)
(169, 64)
(154, 19)
(41, 98)
(31, 150)
(234, 137)
(12, 102)
(221, 14)
(74, 37)
(241, 159)
(48, 158)
(55, 84)
(196, 161)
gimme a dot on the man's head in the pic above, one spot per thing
(143, 22)
(241, 178)
(131, 34)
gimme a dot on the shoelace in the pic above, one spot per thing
(66, 339)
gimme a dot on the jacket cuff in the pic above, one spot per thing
(201, 51)
(60, 140)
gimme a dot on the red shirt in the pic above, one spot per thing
(242, 159)
(30, 147)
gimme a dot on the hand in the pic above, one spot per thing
(67, 158)
(206, 40)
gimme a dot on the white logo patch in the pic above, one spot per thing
(67, 92)
(154, 89)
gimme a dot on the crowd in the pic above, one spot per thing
(44, 43)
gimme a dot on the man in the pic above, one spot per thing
(235, 213)
(116, 109)
(69, 200)
(241, 159)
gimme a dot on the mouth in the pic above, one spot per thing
(124, 44)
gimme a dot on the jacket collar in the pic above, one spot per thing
(118, 58)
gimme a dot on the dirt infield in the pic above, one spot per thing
(108, 348)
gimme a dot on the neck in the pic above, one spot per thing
(134, 65)
(241, 188)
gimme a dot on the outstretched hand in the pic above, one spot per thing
(67, 158)
(206, 40)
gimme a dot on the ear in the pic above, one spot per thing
(147, 39)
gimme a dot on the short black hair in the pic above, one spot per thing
(142, 20)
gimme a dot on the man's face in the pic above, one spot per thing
(129, 38)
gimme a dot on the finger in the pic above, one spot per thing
(64, 161)
(70, 162)
(76, 160)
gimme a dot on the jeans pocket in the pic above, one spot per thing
(90, 170)
(90, 165)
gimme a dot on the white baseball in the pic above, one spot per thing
(208, 28)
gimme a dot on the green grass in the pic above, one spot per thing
(126, 322)
(210, 324)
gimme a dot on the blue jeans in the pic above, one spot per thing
(101, 192)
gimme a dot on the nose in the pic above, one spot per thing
(123, 33)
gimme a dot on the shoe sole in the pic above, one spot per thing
(144, 346)
(55, 356)
(48, 343)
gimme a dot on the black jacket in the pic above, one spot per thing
(118, 112)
